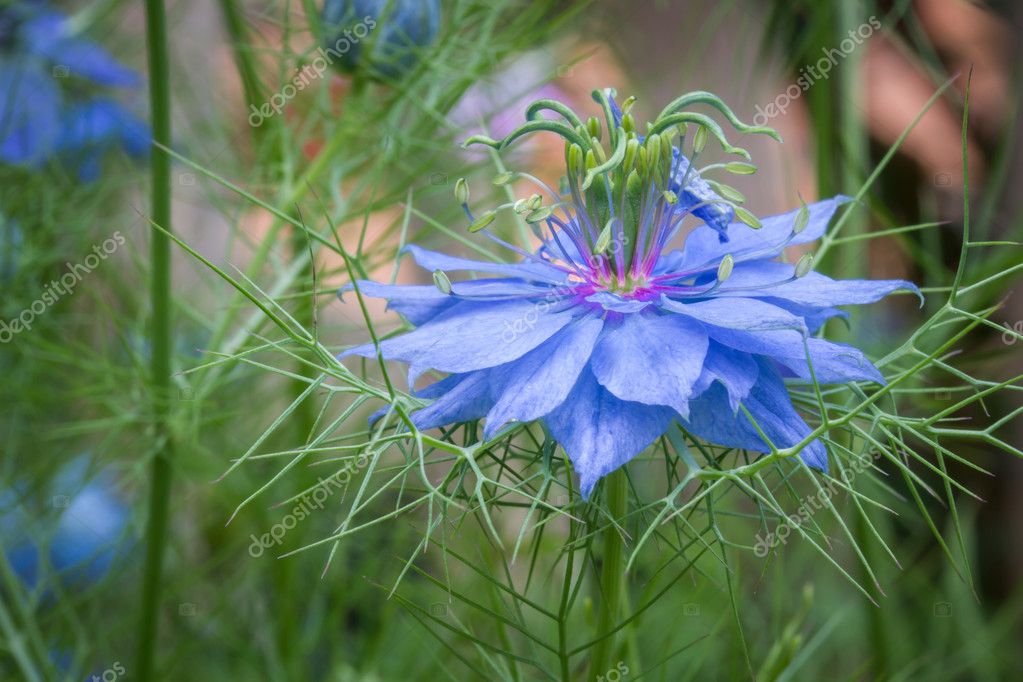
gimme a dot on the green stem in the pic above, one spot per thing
(161, 335)
(612, 573)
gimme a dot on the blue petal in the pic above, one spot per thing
(421, 303)
(48, 35)
(528, 270)
(833, 363)
(600, 433)
(736, 371)
(769, 404)
(774, 279)
(472, 335)
(467, 399)
(703, 245)
(748, 314)
(29, 113)
(651, 359)
(714, 211)
(538, 382)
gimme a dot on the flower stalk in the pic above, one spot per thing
(161, 332)
(612, 573)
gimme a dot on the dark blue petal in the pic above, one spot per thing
(600, 433)
(29, 113)
(651, 359)
(48, 35)
(710, 207)
(536, 383)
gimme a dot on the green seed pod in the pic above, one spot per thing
(593, 128)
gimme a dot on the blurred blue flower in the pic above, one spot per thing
(610, 336)
(382, 36)
(89, 534)
(43, 116)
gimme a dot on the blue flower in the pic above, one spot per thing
(89, 534)
(384, 37)
(42, 62)
(608, 334)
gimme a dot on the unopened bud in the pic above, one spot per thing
(462, 191)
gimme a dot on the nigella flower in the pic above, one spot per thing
(384, 37)
(607, 333)
(44, 69)
(89, 534)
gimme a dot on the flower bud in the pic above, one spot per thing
(462, 191)
(378, 37)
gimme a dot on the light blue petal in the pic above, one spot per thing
(703, 245)
(528, 270)
(774, 279)
(421, 303)
(769, 404)
(651, 359)
(736, 371)
(539, 381)
(748, 314)
(467, 399)
(473, 335)
(833, 363)
(600, 433)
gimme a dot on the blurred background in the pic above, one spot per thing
(374, 149)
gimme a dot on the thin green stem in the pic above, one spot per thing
(612, 573)
(161, 335)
